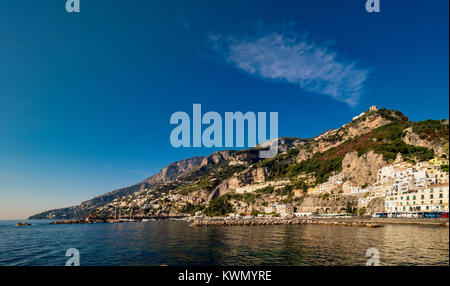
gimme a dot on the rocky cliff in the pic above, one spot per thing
(362, 169)
(437, 144)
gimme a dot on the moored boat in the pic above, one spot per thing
(23, 224)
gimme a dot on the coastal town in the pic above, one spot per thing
(378, 165)
(407, 189)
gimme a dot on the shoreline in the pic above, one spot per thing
(367, 222)
(349, 222)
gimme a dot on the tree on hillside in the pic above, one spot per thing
(219, 207)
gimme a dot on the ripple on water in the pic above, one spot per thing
(175, 243)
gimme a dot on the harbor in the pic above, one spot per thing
(176, 243)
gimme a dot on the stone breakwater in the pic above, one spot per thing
(68, 222)
(257, 222)
(352, 222)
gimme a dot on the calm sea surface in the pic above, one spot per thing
(176, 243)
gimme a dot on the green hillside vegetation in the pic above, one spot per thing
(191, 209)
(431, 129)
(219, 206)
(385, 140)
(208, 177)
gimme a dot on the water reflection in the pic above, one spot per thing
(176, 243)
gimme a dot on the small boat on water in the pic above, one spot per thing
(23, 224)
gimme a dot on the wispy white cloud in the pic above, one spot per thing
(294, 58)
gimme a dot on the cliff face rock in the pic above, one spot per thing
(362, 170)
(253, 175)
(247, 177)
(376, 206)
(217, 157)
(285, 143)
(198, 197)
(174, 170)
(259, 175)
(365, 125)
(227, 186)
(412, 138)
(304, 154)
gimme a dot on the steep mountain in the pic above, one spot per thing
(244, 182)
(174, 170)
(83, 210)
(168, 173)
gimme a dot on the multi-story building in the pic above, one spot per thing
(350, 188)
(401, 202)
(425, 199)
(313, 190)
(406, 186)
(328, 187)
(396, 170)
(282, 209)
(409, 187)
(336, 179)
(401, 177)
(380, 189)
(439, 161)
(434, 197)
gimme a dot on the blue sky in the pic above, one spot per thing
(85, 99)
